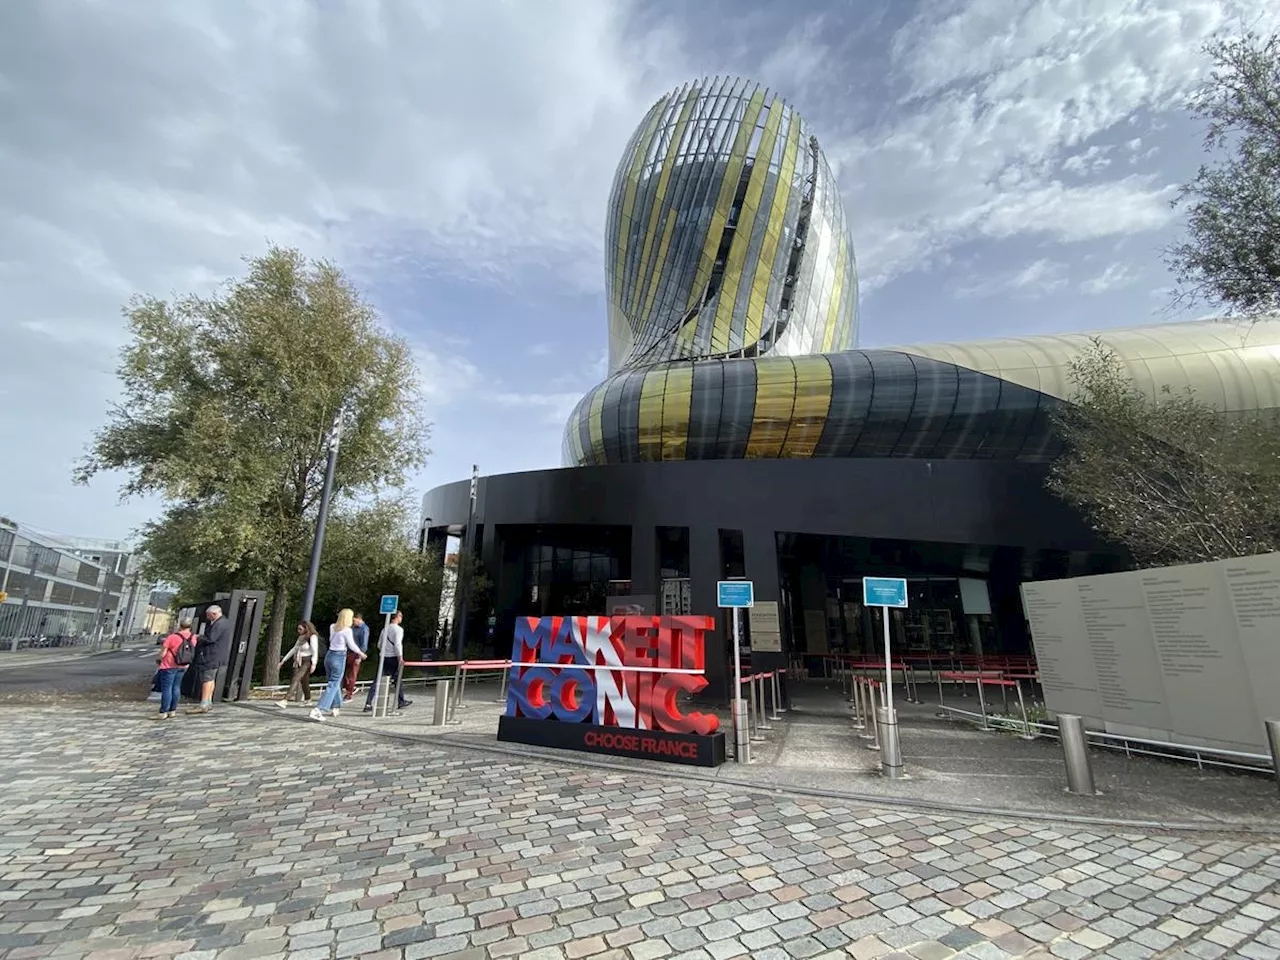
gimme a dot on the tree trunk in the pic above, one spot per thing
(275, 632)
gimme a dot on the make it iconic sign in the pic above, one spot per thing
(555, 699)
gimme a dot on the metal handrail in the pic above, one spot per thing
(1115, 741)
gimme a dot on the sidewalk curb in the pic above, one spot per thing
(581, 761)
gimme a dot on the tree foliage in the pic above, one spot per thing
(227, 405)
(1168, 477)
(1231, 254)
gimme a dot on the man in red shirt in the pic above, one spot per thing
(175, 654)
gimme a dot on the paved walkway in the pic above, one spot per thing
(243, 834)
(949, 764)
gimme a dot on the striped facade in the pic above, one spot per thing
(725, 234)
(732, 294)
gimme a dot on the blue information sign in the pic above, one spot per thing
(884, 591)
(391, 603)
(735, 593)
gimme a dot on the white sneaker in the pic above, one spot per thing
(333, 712)
(316, 715)
(282, 704)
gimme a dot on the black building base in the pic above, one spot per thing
(687, 748)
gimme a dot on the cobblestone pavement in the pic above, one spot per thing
(238, 835)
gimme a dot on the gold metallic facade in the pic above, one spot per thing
(988, 399)
(726, 236)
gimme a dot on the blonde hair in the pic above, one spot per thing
(345, 617)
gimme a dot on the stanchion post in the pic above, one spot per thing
(1075, 752)
(865, 708)
(462, 687)
(982, 704)
(1273, 741)
(506, 678)
(454, 687)
(875, 726)
(756, 733)
(773, 689)
(762, 718)
(441, 716)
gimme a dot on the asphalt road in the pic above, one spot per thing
(58, 673)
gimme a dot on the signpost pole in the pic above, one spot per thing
(887, 593)
(888, 663)
(387, 606)
(736, 594)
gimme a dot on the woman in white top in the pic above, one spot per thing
(306, 657)
(335, 663)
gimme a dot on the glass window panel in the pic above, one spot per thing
(893, 393)
(936, 385)
(676, 412)
(976, 394)
(850, 398)
(650, 418)
(812, 400)
(704, 410)
(738, 407)
(775, 401)
(629, 417)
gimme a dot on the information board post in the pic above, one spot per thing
(887, 593)
(737, 595)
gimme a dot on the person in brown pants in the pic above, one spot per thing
(305, 655)
(359, 633)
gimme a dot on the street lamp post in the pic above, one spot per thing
(317, 545)
(464, 569)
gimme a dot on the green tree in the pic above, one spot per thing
(227, 405)
(1230, 256)
(1168, 477)
(371, 552)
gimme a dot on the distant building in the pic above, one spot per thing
(60, 586)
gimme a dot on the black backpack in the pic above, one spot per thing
(185, 652)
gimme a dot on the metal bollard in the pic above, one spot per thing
(741, 733)
(754, 722)
(890, 747)
(1273, 741)
(441, 716)
(1075, 751)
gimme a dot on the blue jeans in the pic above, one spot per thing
(335, 663)
(170, 689)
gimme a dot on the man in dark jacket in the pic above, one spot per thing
(213, 653)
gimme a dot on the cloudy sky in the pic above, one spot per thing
(1006, 167)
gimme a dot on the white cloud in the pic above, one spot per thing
(1001, 94)
(1036, 279)
(1116, 275)
(147, 147)
(553, 408)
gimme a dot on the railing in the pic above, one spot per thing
(1131, 746)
